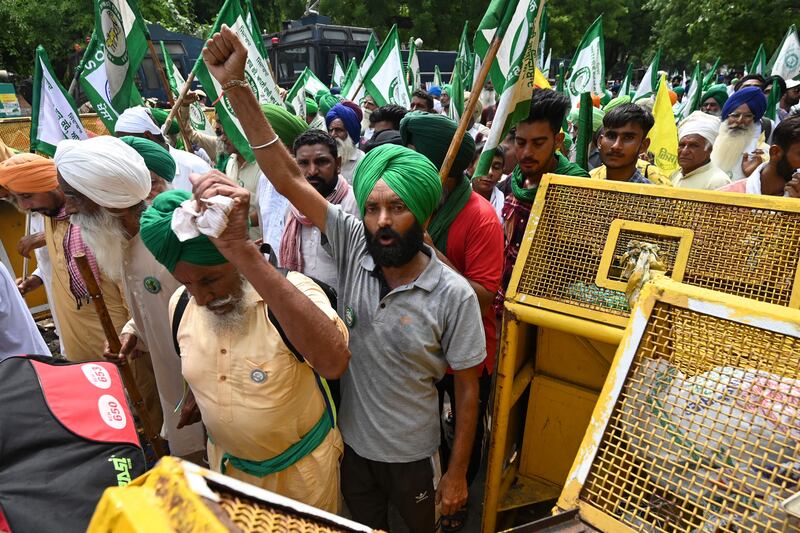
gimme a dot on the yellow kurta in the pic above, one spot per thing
(258, 419)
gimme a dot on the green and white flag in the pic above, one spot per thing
(412, 68)
(456, 107)
(197, 114)
(53, 113)
(385, 79)
(256, 73)
(691, 101)
(114, 54)
(337, 77)
(587, 72)
(543, 39)
(786, 60)
(356, 90)
(476, 68)
(464, 55)
(708, 79)
(307, 84)
(627, 81)
(546, 64)
(437, 76)
(350, 75)
(252, 22)
(514, 69)
(760, 61)
(647, 87)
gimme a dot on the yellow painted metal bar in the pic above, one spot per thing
(566, 323)
(504, 386)
(522, 381)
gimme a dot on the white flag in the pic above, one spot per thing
(786, 62)
(356, 91)
(647, 87)
(587, 71)
(385, 79)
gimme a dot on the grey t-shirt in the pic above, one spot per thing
(401, 346)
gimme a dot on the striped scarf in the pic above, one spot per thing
(73, 244)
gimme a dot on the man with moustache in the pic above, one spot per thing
(409, 316)
(622, 139)
(696, 136)
(33, 181)
(778, 176)
(268, 421)
(105, 183)
(345, 126)
(740, 146)
(302, 247)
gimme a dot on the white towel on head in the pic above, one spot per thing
(104, 169)
(189, 222)
(699, 123)
(136, 120)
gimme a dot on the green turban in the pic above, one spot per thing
(679, 90)
(431, 135)
(567, 140)
(285, 124)
(157, 235)
(160, 116)
(326, 101)
(616, 102)
(409, 174)
(156, 158)
(718, 92)
(311, 107)
(448, 88)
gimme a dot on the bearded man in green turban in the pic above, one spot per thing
(410, 316)
(242, 327)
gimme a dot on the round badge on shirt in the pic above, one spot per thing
(349, 316)
(258, 376)
(152, 285)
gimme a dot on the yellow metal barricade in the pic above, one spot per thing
(698, 426)
(566, 308)
(180, 496)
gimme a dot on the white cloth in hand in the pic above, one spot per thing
(189, 222)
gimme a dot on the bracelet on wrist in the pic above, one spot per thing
(234, 83)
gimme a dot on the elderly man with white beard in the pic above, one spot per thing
(105, 183)
(344, 125)
(740, 146)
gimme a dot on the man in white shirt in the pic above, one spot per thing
(18, 332)
(696, 136)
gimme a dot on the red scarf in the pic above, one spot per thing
(290, 256)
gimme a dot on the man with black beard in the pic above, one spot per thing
(740, 146)
(105, 182)
(779, 176)
(302, 247)
(409, 316)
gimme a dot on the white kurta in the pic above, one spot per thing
(148, 287)
(708, 177)
(271, 213)
(186, 164)
(18, 332)
(246, 176)
(349, 166)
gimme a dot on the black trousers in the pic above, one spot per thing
(447, 384)
(368, 487)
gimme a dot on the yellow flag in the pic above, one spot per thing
(539, 80)
(664, 135)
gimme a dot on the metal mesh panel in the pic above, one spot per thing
(249, 515)
(706, 432)
(668, 250)
(737, 250)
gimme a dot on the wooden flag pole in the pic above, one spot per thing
(162, 73)
(152, 434)
(455, 145)
(184, 90)
(25, 260)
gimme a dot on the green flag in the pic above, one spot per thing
(437, 76)
(385, 79)
(456, 108)
(307, 84)
(691, 100)
(464, 55)
(627, 81)
(587, 72)
(53, 113)
(356, 90)
(516, 22)
(117, 47)
(256, 73)
(647, 87)
(197, 114)
(560, 79)
(350, 75)
(337, 77)
(786, 60)
(760, 61)
(708, 79)
(772, 101)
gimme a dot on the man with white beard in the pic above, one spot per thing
(105, 183)
(257, 387)
(345, 127)
(740, 146)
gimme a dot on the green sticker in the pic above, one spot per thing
(349, 317)
(152, 285)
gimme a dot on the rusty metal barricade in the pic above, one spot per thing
(566, 308)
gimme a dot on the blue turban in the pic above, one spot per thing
(753, 97)
(435, 91)
(348, 118)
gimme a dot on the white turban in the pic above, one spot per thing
(699, 123)
(104, 169)
(136, 120)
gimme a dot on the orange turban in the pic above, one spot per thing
(28, 173)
